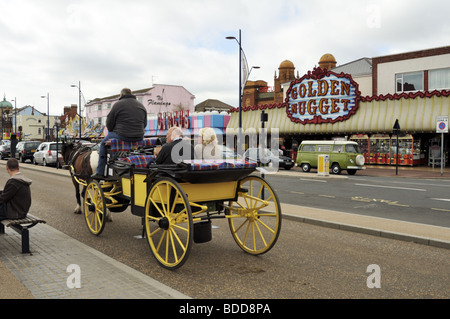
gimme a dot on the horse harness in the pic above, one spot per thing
(74, 154)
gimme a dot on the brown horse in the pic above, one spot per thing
(82, 162)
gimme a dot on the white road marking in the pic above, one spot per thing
(405, 188)
(443, 199)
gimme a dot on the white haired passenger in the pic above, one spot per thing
(207, 147)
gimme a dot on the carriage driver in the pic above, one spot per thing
(126, 121)
(15, 198)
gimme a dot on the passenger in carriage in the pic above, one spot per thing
(207, 147)
(176, 149)
(126, 121)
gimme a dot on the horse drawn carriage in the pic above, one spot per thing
(177, 202)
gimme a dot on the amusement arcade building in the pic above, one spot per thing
(360, 101)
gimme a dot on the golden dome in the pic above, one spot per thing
(327, 61)
(286, 64)
(327, 58)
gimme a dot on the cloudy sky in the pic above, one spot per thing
(48, 45)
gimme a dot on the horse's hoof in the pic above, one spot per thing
(78, 212)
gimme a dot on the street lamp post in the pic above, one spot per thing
(57, 123)
(79, 105)
(15, 115)
(241, 83)
(14, 136)
(48, 116)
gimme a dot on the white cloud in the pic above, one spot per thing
(47, 45)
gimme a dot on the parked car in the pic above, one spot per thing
(342, 155)
(46, 154)
(25, 150)
(265, 156)
(5, 151)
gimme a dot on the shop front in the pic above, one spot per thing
(323, 105)
(190, 123)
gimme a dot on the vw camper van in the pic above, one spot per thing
(343, 155)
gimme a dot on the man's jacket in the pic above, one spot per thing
(128, 118)
(17, 196)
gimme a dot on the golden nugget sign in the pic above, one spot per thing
(322, 96)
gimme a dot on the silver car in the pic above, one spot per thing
(46, 154)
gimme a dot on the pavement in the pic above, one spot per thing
(57, 262)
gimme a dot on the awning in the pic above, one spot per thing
(416, 114)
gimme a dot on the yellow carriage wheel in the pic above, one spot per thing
(168, 223)
(255, 218)
(94, 208)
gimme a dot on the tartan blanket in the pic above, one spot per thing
(206, 165)
(139, 161)
(117, 145)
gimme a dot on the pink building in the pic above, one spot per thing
(157, 99)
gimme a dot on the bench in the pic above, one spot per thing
(21, 226)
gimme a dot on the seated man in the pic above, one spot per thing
(15, 199)
(126, 121)
(177, 148)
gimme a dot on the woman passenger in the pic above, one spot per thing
(207, 147)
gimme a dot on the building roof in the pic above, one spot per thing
(135, 92)
(359, 67)
(212, 105)
(116, 96)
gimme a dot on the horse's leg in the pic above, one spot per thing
(77, 195)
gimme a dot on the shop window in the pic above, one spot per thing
(439, 79)
(407, 82)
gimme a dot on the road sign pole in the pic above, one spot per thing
(442, 127)
(442, 154)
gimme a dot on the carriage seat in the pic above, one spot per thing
(218, 164)
(117, 147)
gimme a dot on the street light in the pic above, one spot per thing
(57, 123)
(48, 115)
(79, 104)
(15, 115)
(242, 59)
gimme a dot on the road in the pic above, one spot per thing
(413, 200)
(307, 262)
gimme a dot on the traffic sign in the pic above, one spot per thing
(442, 124)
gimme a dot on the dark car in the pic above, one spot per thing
(267, 157)
(5, 151)
(25, 150)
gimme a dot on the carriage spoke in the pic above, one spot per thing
(161, 241)
(162, 202)
(267, 227)
(157, 207)
(173, 244)
(260, 234)
(179, 240)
